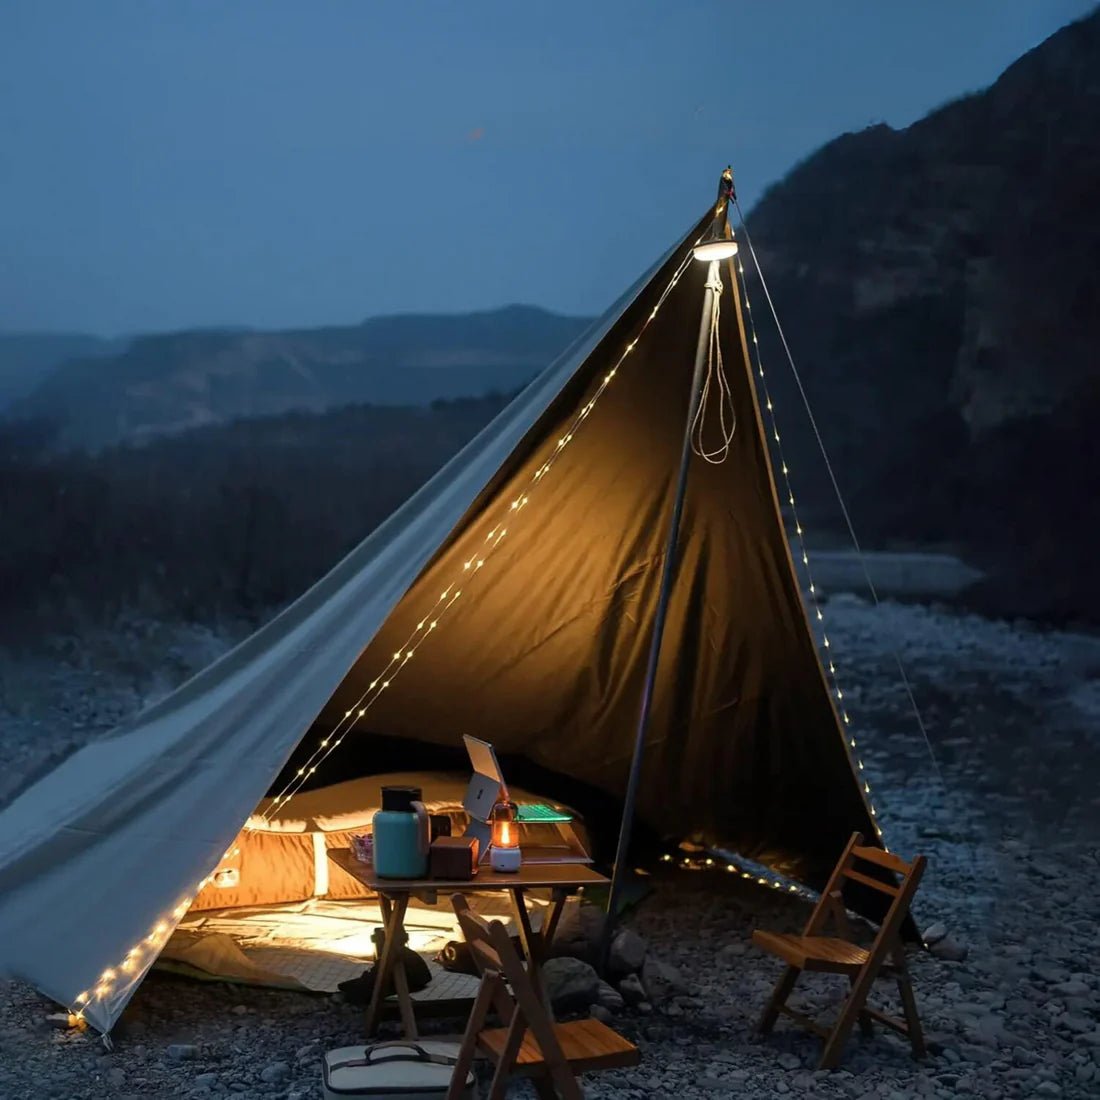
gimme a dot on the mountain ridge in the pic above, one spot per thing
(27, 357)
(165, 383)
(938, 286)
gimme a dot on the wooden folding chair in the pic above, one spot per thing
(532, 1044)
(884, 958)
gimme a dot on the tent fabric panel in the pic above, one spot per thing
(272, 868)
(545, 658)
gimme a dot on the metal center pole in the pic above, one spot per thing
(668, 576)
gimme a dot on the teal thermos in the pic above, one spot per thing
(401, 834)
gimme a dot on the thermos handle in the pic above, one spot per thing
(424, 828)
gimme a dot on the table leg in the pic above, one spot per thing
(523, 926)
(390, 964)
(404, 1000)
(550, 926)
(537, 946)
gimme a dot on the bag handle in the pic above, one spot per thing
(414, 1053)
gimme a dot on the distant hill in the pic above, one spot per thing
(28, 357)
(173, 382)
(940, 288)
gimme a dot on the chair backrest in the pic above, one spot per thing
(492, 948)
(495, 956)
(889, 865)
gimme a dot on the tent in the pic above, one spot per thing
(523, 581)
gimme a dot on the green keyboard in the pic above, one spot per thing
(538, 813)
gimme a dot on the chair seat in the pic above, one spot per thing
(822, 953)
(586, 1044)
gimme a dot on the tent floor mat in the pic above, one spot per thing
(310, 946)
(314, 972)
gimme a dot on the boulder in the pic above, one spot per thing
(570, 983)
(598, 1012)
(578, 933)
(627, 953)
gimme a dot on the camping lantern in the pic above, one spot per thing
(714, 246)
(504, 855)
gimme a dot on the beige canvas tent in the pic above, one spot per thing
(512, 597)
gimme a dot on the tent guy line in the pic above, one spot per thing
(836, 488)
(829, 662)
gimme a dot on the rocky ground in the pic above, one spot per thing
(1012, 832)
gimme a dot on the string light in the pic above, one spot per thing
(850, 743)
(142, 954)
(761, 876)
(446, 600)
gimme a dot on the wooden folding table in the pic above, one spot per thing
(561, 879)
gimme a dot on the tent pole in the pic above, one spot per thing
(668, 576)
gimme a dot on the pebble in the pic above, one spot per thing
(610, 998)
(274, 1072)
(183, 1052)
(950, 949)
(1018, 1020)
(661, 980)
(934, 933)
(632, 990)
(1073, 988)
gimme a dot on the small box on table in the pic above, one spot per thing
(453, 857)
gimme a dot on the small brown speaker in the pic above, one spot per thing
(453, 857)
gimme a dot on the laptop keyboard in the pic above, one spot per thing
(534, 813)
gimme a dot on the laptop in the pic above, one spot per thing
(487, 787)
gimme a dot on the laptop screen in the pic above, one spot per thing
(483, 759)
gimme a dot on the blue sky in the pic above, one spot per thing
(171, 163)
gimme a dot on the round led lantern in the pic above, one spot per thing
(715, 248)
(504, 854)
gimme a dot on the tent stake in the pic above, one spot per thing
(668, 577)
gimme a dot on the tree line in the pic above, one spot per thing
(227, 521)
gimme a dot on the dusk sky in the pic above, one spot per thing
(176, 163)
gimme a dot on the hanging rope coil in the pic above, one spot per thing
(716, 389)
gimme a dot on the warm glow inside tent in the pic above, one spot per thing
(523, 582)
